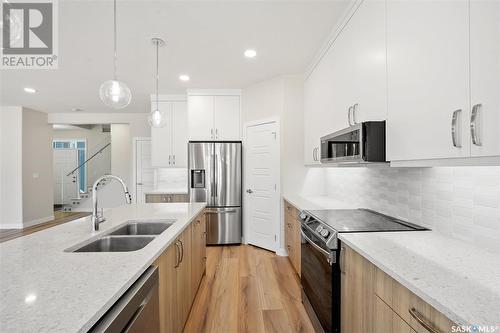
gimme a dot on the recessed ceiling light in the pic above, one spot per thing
(76, 109)
(250, 53)
(30, 90)
(184, 77)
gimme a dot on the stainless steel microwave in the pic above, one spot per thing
(361, 143)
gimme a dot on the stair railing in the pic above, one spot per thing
(88, 159)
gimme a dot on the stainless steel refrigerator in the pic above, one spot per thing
(215, 178)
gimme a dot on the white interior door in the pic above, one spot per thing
(144, 171)
(65, 187)
(262, 165)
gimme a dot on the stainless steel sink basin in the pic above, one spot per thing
(116, 244)
(142, 228)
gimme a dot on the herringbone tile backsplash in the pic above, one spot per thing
(462, 202)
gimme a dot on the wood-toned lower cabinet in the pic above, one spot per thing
(292, 235)
(374, 302)
(179, 266)
(198, 232)
(166, 198)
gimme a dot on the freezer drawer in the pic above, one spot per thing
(223, 225)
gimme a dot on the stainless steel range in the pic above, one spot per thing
(320, 254)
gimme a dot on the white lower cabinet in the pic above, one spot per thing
(485, 76)
(427, 50)
(169, 143)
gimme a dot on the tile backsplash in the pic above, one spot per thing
(462, 202)
(173, 179)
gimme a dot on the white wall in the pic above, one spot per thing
(11, 195)
(37, 185)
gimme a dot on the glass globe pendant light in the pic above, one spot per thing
(115, 94)
(156, 118)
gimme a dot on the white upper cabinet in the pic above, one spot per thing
(214, 115)
(227, 118)
(352, 71)
(179, 134)
(485, 76)
(169, 143)
(201, 117)
(428, 79)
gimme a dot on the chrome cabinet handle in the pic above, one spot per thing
(177, 254)
(455, 133)
(354, 109)
(474, 126)
(216, 133)
(212, 133)
(173, 159)
(342, 260)
(349, 115)
(169, 159)
(425, 324)
(314, 154)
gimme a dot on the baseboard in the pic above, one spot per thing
(38, 221)
(281, 252)
(11, 226)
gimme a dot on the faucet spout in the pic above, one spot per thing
(97, 217)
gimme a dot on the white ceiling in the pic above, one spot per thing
(205, 39)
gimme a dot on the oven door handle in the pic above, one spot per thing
(329, 257)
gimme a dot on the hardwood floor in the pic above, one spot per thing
(60, 217)
(247, 289)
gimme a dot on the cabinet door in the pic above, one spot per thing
(167, 289)
(428, 66)
(485, 74)
(201, 117)
(161, 138)
(227, 118)
(184, 293)
(179, 129)
(198, 250)
(387, 321)
(366, 61)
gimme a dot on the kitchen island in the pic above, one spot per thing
(45, 288)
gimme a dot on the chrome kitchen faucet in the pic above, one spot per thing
(99, 217)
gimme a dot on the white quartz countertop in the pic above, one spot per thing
(460, 280)
(45, 289)
(315, 202)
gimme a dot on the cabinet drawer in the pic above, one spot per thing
(421, 316)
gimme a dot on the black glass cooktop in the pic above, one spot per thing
(361, 220)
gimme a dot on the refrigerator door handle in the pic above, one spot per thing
(216, 177)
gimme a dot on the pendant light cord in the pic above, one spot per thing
(115, 60)
(157, 73)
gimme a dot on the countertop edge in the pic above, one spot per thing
(407, 284)
(99, 313)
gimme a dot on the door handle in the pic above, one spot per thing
(455, 133)
(249, 191)
(474, 126)
(140, 184)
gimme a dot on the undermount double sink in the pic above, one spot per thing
(131, 236)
